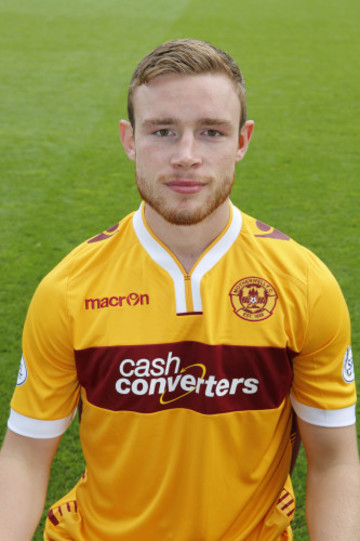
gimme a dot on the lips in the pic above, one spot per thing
(186, 186)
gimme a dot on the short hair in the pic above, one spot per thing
(186, 57)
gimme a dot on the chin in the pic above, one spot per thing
(188, 216)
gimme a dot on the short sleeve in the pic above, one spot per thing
(47, 389)
(323, 390)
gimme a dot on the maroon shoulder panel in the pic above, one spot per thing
(106, 234)
(270, 232)
(205, 378)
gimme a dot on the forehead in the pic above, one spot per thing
(187, 96)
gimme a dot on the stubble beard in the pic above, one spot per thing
(183, 216)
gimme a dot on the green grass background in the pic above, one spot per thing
(65, 68)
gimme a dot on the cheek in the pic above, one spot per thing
(226, 160)
(149, 155)
(225, 153)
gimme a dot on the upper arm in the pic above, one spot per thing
(47, 390)
(34, 453)
(323, 390)
(24, 474)
(326, 447)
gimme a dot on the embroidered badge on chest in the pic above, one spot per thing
(253, 298)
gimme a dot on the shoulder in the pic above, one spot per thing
(282, 253)
(88, 258)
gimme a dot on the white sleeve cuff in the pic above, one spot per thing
(320, 417)
(36, 428)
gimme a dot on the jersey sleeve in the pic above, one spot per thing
(47, 390)
(323, 390)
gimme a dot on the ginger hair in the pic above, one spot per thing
(186, 57)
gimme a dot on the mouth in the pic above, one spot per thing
(185, 186)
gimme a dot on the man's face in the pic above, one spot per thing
(186, 144)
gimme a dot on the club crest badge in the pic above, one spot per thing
(253, 298)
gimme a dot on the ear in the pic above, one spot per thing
(244, 139)
(127, 138)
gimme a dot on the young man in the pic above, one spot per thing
(191, 331)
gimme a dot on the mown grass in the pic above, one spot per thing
(64, 76)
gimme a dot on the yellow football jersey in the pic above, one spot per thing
(187, 381)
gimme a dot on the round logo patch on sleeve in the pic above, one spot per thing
(348, 366)
(22, 374)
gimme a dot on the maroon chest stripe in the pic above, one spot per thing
(205, 378)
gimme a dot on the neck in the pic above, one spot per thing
(188, 242)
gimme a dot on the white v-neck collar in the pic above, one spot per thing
(166, 260)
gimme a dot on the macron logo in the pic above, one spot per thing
(120, 301)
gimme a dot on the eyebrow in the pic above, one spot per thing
(159, 121)
(169, 121)
(215, 122)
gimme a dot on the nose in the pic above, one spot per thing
(186, 153)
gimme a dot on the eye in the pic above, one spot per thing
(212, 133)
(164, 132)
